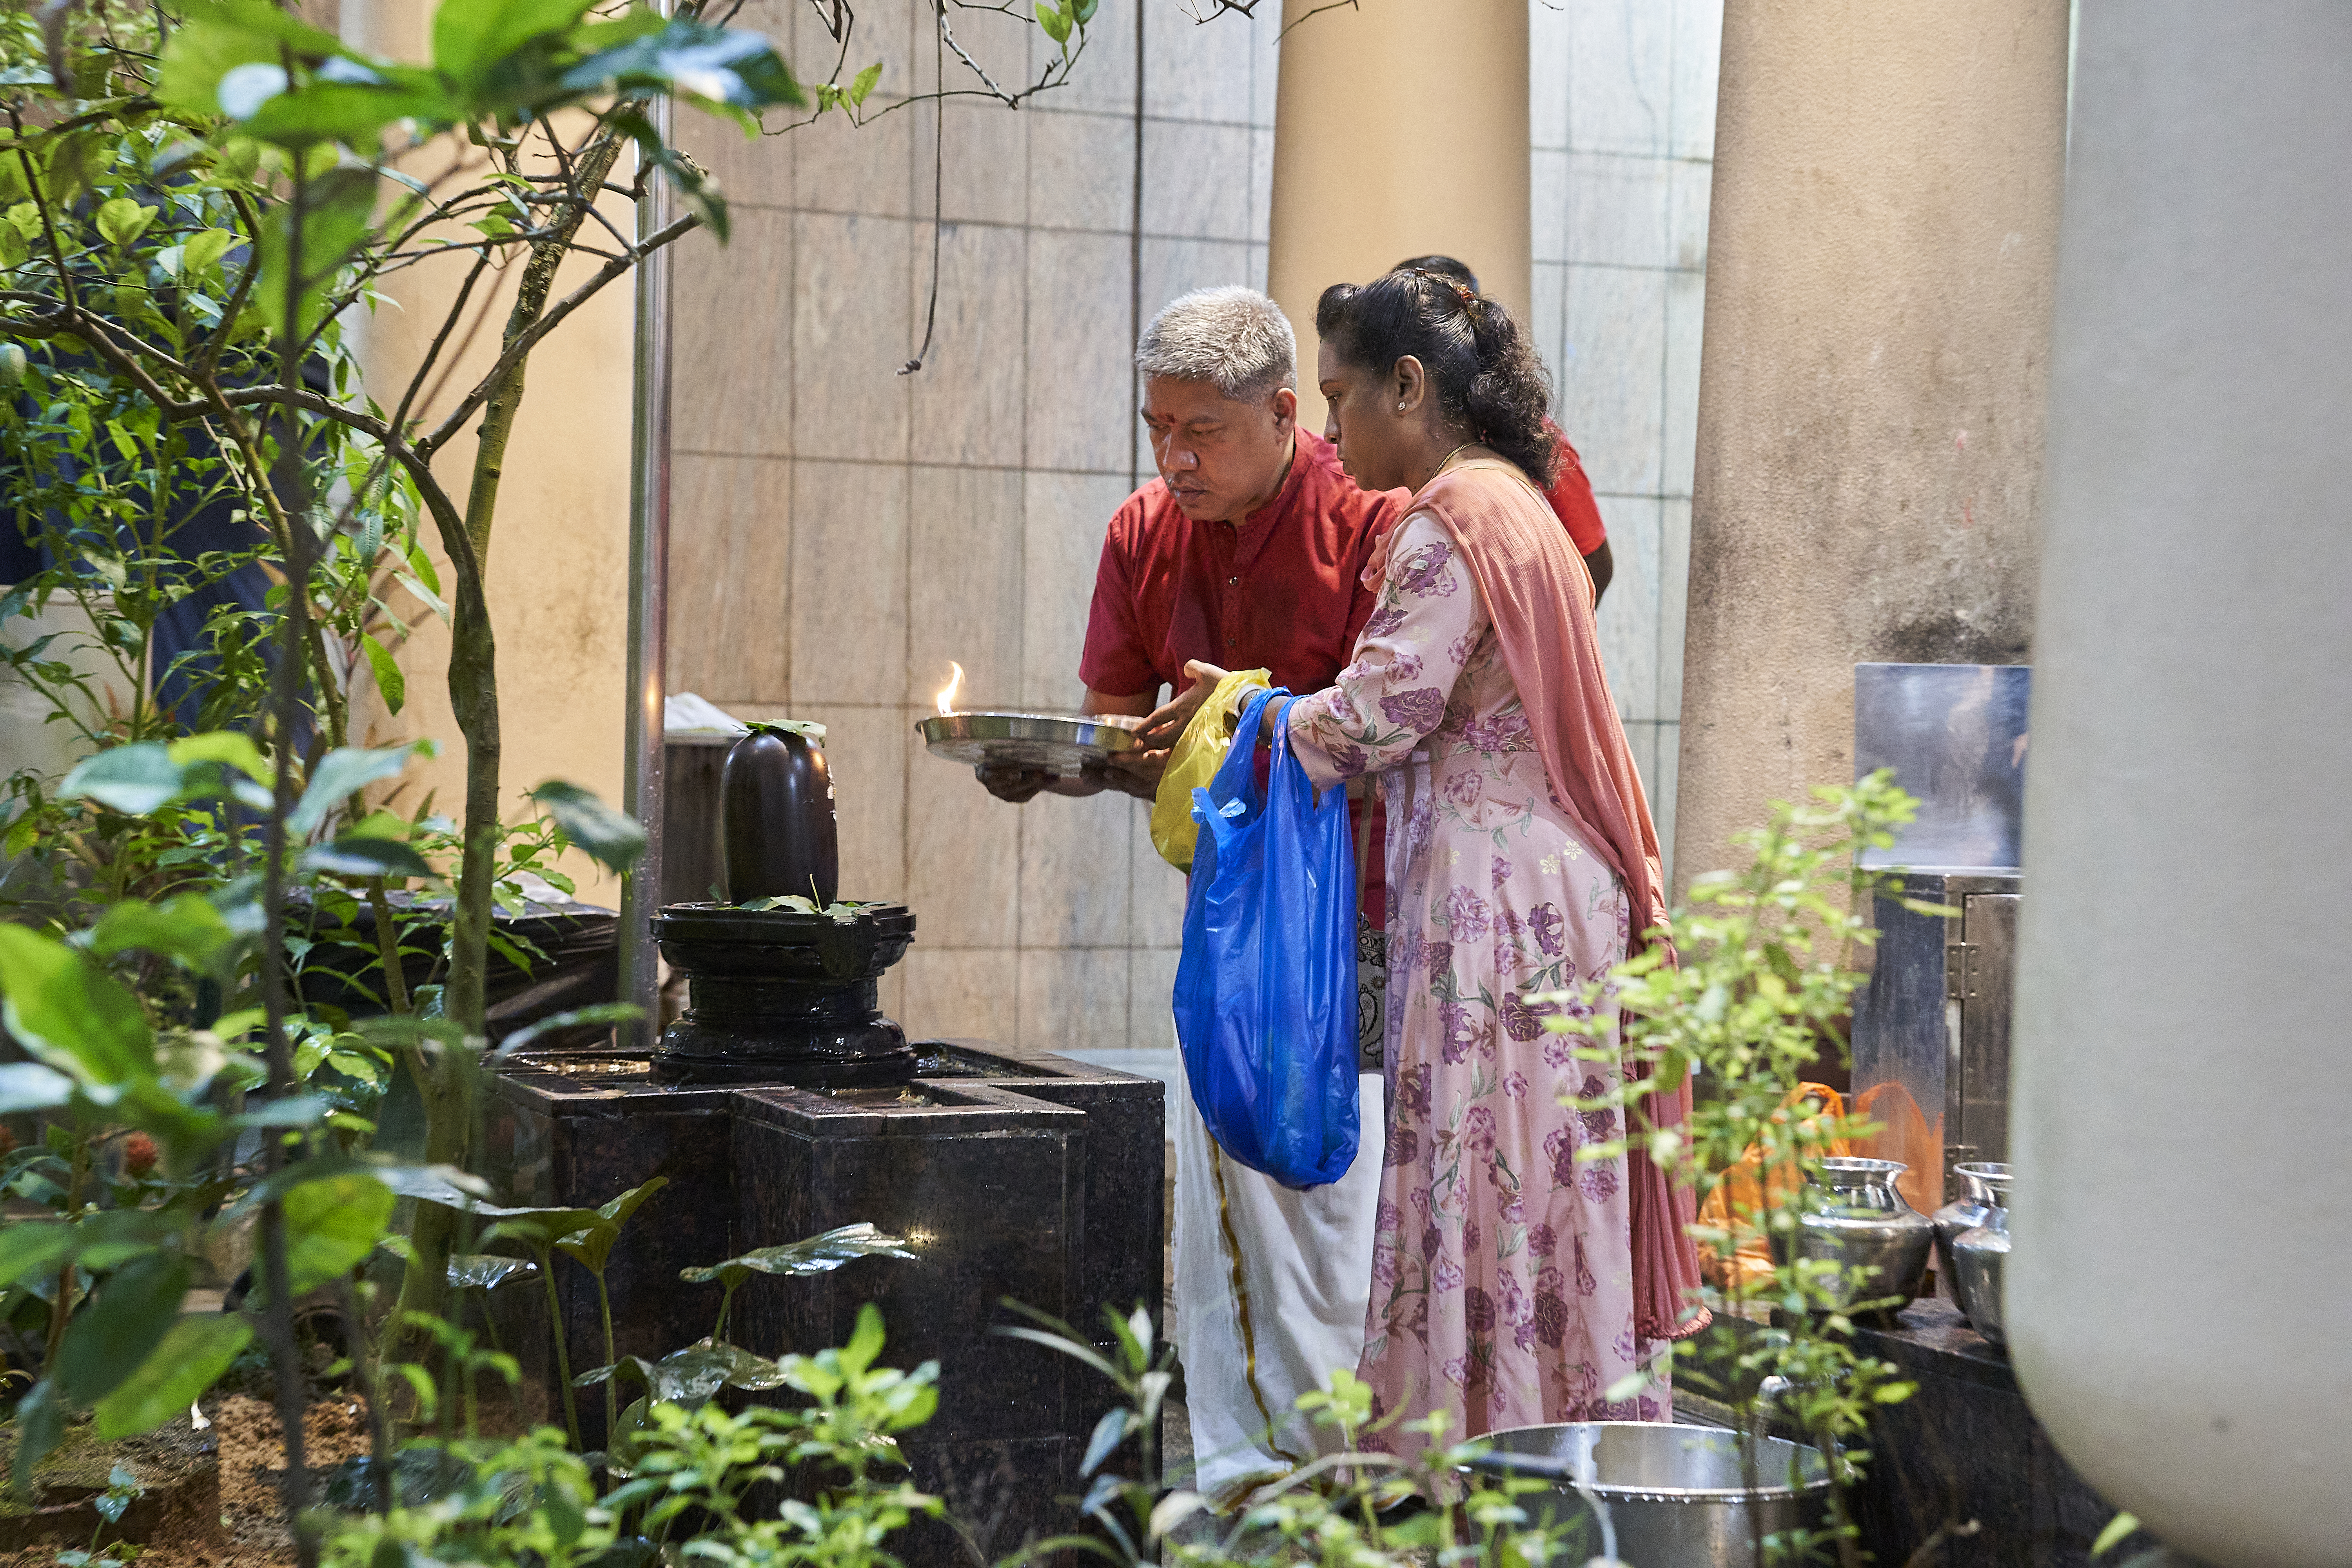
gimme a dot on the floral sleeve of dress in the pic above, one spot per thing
(1393, 692)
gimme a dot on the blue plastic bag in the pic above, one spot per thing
(1265, 991)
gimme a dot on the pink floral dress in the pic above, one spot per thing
(1502, 1272)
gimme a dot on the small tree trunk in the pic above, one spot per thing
(474, 697)
(448, 1087)
(473, 677)
(443, 1085)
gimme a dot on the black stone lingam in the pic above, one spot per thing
(775, 811)
(783, 996)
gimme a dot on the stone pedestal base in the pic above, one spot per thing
(1966, 1449)
(1037, 1179)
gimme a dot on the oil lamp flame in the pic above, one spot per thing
(948, 693)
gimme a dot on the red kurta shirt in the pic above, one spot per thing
(1571, 498)
(1284, 591)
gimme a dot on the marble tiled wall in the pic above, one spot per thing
(1621, 117)
(839, 532)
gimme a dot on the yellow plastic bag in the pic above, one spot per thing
(1193, 761)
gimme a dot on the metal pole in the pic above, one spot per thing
(649, 607)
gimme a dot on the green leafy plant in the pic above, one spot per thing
(692, 1466)
(463, 1361)
(115, 1262)
(498, 1502)
(1351, 1507)
(195, 201)
(590, 1247)
(122, 1489)
(693, 1457)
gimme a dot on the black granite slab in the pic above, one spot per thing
(554, 1140)
(1038, 1179)
(1125, 1174)
(987, 1187)
(1966, 1449)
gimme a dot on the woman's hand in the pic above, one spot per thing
(1137, 771)
(1165, 723)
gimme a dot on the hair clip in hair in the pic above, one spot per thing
(1462, 290)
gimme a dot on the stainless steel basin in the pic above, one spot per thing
(1676, 1495)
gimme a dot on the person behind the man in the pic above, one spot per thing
(1571, 494)
(1248, 550)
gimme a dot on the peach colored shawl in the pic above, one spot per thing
(1539, 596)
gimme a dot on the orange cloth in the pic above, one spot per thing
(1539, 596)
(1741, 1198)
(1904, 1134)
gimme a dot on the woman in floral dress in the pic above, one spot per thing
(1513, 1282)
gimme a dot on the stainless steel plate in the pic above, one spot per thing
(1060, 743)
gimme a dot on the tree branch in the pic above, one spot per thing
(209, 359)
(521, 348)
(92, 332)
(440, 340)
(416, 464)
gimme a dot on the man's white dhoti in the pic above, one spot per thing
(1271, 1288)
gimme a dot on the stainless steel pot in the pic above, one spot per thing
(1864, 1224)
(1964, 1213)
(1676, 1496)
(1980, 1258)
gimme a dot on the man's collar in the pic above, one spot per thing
(1290, 474)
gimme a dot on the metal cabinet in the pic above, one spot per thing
(691, 863)
(1931, 1028)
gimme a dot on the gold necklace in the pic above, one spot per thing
(1445, 459)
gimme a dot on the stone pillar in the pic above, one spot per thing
(1399, 129)
(559, 555)
(2181, 1090)
(1881, 252)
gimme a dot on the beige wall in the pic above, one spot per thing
(1404, 130)
(1886, 185)
(559, 555)
(28, 739)
(839, 532)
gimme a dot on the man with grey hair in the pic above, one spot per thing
(1247, 550)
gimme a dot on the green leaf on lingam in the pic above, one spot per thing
(838, 913)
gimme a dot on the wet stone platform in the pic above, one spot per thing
(1036, 1178)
